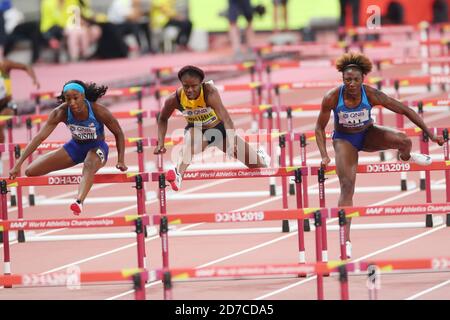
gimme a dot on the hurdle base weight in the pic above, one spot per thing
(21, 236)
(13, 201)
(273, 191)
(285, 226)
(31, 199)
(291, 189)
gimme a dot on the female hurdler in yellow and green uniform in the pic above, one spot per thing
(208, 124)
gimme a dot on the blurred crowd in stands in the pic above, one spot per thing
(73, 30)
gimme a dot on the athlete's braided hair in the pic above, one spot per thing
(193, 71)
(357, 60)
(92, 91)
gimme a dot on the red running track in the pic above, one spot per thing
(99, 255)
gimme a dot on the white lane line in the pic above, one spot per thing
(424, 292)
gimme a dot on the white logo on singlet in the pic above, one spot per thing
(352, 119)
(2, 88)
(83, 133)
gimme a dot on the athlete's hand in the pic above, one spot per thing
(14, 172)
(159, 149)
(438, 139)
(121, 166)
(37, 84)
(325, 162)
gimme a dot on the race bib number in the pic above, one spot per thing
(354, 118)
(203, 115)
(83, 133)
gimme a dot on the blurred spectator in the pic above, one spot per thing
(18, 30)
(69, 20)
(277, 5)
(129, 19)
(440, 11)
(354, 5)
(235, 9)
(394, 14)
(4, 6)
(163, 14)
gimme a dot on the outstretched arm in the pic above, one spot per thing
(377, 97)
(321, 124)
(105, 116)
(55, 117)
(11, 65)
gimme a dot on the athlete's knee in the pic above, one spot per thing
(347, 186)
(91, 165)
(405, 141)
(30, 172)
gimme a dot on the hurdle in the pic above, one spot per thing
(138, 142)
(410, 132)
(379, 168)
(344, 213)
(73, 278)
(37, 119)
(139, 222)
(250, 216)
(137, 178)
(297, 270)
(267, 139)
(10, 225)
(245, 271)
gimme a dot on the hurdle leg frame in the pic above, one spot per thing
(20, 233)
(321, 181)
(31, 190)
(141, 168)
(282, 143)
(290, 131)
(305, 181)
(140, 229)
(318, 233)
(342, 224)
(9, 125)
(423, 148)
(300, 222)
(447, 172)
(164, 225)
(272, 183)
(6, 249)
(380, 119)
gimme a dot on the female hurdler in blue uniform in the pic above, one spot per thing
(85, 119)
(354, 129)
